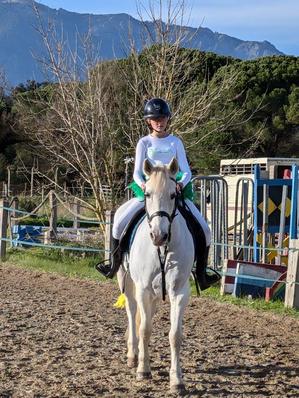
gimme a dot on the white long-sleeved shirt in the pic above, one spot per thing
(160, 150)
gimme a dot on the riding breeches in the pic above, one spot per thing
(124, 215)
(128, 210)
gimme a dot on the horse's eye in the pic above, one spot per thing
(173, 195)
(147, 194)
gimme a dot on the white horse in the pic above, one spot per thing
(164, 228)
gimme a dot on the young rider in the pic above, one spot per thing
(159, 147)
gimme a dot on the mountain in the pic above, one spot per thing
(21, 44)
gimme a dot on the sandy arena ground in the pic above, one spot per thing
(62, 337)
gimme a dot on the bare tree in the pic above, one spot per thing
(166, 69)
(4, 84)
(72, 119)
(91, 117)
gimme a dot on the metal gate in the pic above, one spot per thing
(211, 196)
(243, 219)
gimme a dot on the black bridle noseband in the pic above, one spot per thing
(170, 217)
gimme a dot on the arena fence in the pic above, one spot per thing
(212, 192)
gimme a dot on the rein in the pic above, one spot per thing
(162, 267)
(170, 217)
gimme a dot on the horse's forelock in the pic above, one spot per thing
(159, 178)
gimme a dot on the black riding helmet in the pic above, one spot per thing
(156, 107)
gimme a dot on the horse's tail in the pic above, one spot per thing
(120, 302)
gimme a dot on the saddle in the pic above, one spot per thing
(193, 225)
(129, 232)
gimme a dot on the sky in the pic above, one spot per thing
(276, 21)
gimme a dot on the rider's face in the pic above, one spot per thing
(158, 124)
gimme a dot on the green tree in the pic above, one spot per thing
(267, 90)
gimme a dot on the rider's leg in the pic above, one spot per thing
(204, 225)
(123, 215)
(203, 239)
(121, 218)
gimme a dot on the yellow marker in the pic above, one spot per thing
(120, 302)
(271, 206)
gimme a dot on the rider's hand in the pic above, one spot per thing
(143, 187)
(179, 187)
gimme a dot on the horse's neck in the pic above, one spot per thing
(143, 256)
(179, 229)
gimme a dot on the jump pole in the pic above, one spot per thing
(3, 228)
(292, 285)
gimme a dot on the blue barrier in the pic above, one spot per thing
(26, 233)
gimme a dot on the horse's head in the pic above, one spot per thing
(160, 199)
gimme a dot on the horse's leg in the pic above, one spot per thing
(132, 342)
(178, 302)
(144, 301)
(131, 309)
(154, 307)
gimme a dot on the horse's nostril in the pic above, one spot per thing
(152, 235)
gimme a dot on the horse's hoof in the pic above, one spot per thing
(143, 376)
(132, 362)
(178, 389)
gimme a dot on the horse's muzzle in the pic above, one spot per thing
(159, 240)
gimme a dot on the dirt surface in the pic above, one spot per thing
(62, 337)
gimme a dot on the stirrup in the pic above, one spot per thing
(206, 280)
(215, 274)
(211, 279)
(104, 267)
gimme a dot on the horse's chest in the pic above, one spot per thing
(145, 265)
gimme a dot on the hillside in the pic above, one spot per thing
(21, 45)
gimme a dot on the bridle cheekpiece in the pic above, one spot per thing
(162, 213)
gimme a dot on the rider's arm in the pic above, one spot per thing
(138, 167)
(183, 163)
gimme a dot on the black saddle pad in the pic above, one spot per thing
(125, 238)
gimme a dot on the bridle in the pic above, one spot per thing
(170, 217)
(162, 213)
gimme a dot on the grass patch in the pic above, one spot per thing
(276, 306)
(51, 260)
(74, 265)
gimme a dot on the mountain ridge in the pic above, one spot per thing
(19, 38)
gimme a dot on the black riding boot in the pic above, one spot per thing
(110, 269)
(204, 279)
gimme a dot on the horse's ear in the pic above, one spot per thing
(173, 166)
(147, 167)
